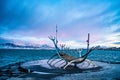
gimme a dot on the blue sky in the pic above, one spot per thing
(32, 21)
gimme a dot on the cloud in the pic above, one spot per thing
(117, 30)
(116, 43)
(35, 19)
(3, 40)
(73, 44)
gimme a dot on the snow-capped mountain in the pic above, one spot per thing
(15, 46)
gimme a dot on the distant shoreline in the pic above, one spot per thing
(51, 49)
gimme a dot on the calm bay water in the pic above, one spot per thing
(9, 56)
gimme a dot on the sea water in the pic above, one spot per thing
(9, 56)
(108, 72)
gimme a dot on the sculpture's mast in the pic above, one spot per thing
(56, 35)
(88, 40)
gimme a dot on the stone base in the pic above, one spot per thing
(41, 66)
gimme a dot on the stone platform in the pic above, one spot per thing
(42, 67)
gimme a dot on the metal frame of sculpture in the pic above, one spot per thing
(68, 58)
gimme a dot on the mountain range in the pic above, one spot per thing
(15, 46)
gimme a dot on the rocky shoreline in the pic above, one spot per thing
(12, 70)
(16, 72)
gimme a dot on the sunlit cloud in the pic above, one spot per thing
(73, 44)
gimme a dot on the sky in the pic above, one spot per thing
(30, 22)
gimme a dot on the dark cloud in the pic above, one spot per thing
(117, 31)
(24, 16)
(116, 43)
(3, 40)
(14, 14)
